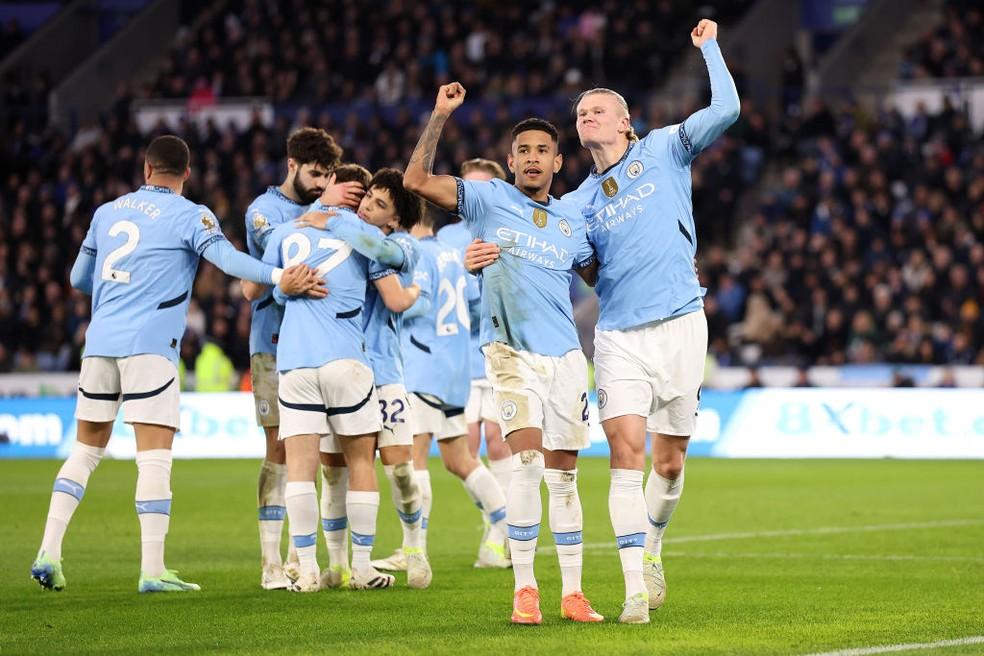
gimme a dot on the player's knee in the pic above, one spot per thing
(528, 466)
(670, 469)
(404, 479)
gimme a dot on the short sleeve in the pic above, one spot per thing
(272, 255)
(411, 254)
(258, 227)
(89, 243)
(585, 254)
(474, 200)
(377, 270)
(202, 228)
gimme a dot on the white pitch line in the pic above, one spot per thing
(884, 649)
(900, 557)
(795, 532)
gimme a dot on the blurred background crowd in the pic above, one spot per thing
(830, 232)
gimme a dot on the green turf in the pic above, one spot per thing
(764, 594)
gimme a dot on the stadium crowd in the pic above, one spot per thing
(873, 222)
(954, 49)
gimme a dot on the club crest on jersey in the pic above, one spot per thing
(634, 169)
(610, 187)
(565, 227)
(540, 217)
(508, 410)
(259, 221)
(263, 407)
(208, 223)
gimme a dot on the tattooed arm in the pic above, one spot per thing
(442, 190)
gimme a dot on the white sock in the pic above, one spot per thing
(482, 486)
(363, 507)
(627, 508)
(270, 504)
(67, 494)
(662, 496)
(523, 514)
(301, 499)
(502, 471)
(334, 516)
(566, 523)
(426, 498)
(406, 498)
(153, 503)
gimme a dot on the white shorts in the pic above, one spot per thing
(654, 371)
(338, 397)
(264, 378)
(481, 404)
(541, 391)
(396, 415)
(147, 386)
(430, 415)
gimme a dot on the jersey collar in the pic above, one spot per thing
(281, 195)
(624, 156)
(157, 188)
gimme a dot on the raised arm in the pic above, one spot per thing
(701, 128)
(442, 190)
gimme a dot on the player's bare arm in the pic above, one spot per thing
(396, 297)
(442, 190)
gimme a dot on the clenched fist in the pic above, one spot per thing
(705, 31)
(449, 98)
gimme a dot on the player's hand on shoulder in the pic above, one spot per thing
(705, 30)
(345, 194)
(480, 254)
(314, 219)
(449, 98)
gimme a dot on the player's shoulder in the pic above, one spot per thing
(405, 240)
(655, 141)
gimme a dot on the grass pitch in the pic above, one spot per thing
(762, 557)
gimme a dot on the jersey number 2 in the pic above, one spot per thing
(132, 238)
(452, 300)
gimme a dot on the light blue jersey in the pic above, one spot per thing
(383, 327)
(640, 215)
(458, 236)
(269, 210)
(143, 250)
(436, 344)
(315, 332)
(526, 298)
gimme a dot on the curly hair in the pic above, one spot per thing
(314, 146)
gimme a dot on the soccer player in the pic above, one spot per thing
(480, 413)
(312, 154)
(138, 261)
(327, 385)
(435, 344)
(651, 338)
(392, 209)
(538, 372)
